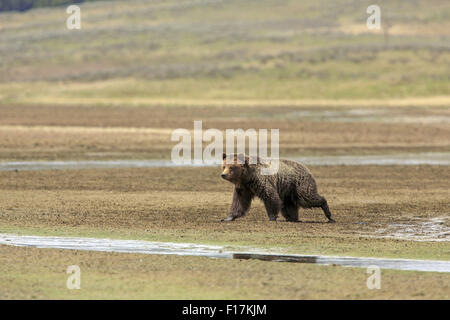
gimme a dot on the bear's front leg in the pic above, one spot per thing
(242, 200)
(273, 207)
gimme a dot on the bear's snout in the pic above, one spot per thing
(223, 176)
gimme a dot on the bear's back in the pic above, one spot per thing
(293, 168)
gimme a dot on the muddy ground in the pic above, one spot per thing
(381, 211)
(186, 204)
(70, 132)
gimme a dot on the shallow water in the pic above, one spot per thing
(382, 115)
(431, 158)
(191, 249)
(88, 164)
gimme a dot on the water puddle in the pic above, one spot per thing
(431, 158)
(434, 229)
(191, 249)
(367, 115)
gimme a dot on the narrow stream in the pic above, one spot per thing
(191, 249)
(431, 158)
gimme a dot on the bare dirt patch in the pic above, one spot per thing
(68, 132)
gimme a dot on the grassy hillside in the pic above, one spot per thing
(219, 50)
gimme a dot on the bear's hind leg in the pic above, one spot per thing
(326, 210)
(321, 202)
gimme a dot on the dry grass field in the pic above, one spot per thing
(40, 274)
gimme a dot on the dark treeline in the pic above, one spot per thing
(24, 5)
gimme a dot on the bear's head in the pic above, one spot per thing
(236, 170)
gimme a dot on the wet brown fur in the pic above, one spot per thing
(291, 188)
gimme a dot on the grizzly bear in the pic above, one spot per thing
(290, 188)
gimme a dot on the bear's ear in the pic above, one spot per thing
(224, 156)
